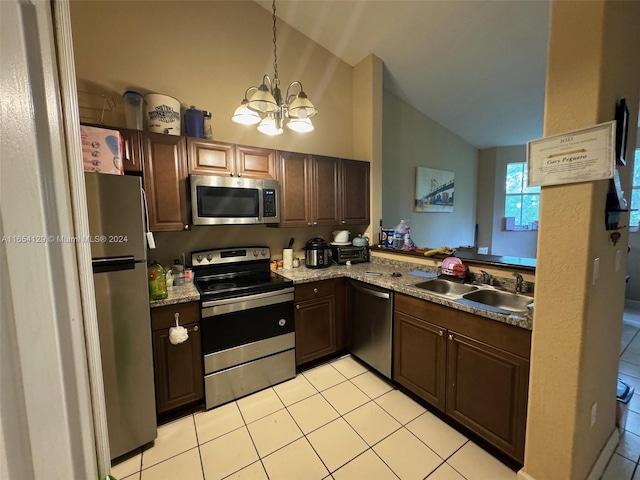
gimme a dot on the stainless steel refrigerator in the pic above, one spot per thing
(118, 251)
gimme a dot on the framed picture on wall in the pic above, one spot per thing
(434, 190)
(622, 128)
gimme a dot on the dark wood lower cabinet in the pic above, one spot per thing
(320, 316)
(474, 369)
(419, 357)
(487, 392)
(179, 374)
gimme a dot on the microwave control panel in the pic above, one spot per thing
(269, 202)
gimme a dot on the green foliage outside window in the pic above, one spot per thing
(521, 202)
(634, 219)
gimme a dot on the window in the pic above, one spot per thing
(521, 202)
(634, 217)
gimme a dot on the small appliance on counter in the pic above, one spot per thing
(341, 254)
(317, 253)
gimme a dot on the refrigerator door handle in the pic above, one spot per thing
(113, 264)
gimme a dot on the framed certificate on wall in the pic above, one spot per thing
(580, 156)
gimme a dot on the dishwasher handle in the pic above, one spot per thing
(372, 292)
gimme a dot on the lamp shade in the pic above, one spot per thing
(244, 116)
(262, 101)
(269, 126)
(300, 125)
(301, 107)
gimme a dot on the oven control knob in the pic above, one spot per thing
(282, 322)
(199, 258)
(255, 253)
(264, 253)
(209, 257)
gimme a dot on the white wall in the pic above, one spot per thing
(490, 204)
(411, 139)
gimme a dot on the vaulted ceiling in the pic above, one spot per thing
(476, 67)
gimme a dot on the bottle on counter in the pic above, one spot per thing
(178, 273)
(398, 235)
(208, 132)
(157, 282)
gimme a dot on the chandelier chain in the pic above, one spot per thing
(275, 47)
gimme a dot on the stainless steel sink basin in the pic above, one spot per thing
(445, 287)
(505, 300)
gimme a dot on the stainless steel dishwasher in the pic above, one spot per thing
(370, 325)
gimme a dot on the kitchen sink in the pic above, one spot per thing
(504, 300)
(445, 287)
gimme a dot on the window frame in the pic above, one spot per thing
(634, 188)
(521, 194)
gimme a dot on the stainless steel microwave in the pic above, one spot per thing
(233, 200)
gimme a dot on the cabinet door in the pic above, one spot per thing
(178, 370)
(487, 392)
(419, 358)
(324, 187)
(131, 150)
(165, 181)
(295, 194)
(254, 162)
(315, 329)
(210, 158)
(354, 189)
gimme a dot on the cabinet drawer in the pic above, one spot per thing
(314, 290)
(163, 317)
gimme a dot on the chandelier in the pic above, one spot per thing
(267, 107)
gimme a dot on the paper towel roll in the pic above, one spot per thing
(287, 258)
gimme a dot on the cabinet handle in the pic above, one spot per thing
(231, 173)
(441, 333)
(450, 337)
(240, 174)
(127, 151)
(315, 290)
(309, 224)
(195, 329)
(298, 307)
(315, 223)
(343, 222)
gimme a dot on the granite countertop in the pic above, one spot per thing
(402, 284)
(178, 294)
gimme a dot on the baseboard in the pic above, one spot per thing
(598, 468)
(522, 475)
(605, 455)
(632, 304)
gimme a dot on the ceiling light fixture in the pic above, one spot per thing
(266, 106)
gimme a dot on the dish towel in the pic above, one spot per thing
(418, 273)
(178, 334)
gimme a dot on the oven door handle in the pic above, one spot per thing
(228, 305)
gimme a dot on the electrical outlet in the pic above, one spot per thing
(618, 260)
(594, 411)
(596, 270)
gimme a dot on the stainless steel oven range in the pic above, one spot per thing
(247, 326)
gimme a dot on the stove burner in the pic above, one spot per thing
(219, 286)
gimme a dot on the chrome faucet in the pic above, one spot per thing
(486, 277)
(519, 282)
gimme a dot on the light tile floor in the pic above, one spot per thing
(624, 462)
(337, 421)
(341, 421)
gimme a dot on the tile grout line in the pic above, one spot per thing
(195, 427)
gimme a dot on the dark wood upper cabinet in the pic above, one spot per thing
(165, 181)
(131, 150)
(325, 205)
(295, 189)
(254, 162)
(322, 191)
(211, 158)
(354, 190)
